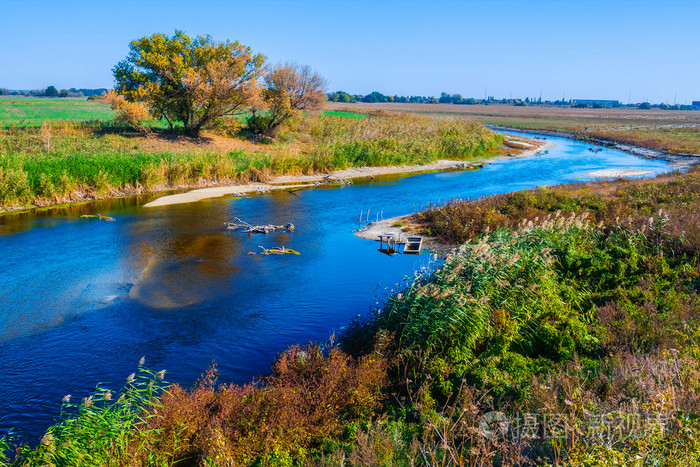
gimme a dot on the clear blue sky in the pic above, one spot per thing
(581, 49)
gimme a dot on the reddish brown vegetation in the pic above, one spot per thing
(310, 396)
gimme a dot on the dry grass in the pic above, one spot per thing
(164, 142)
(670, 130)
(633, 201)
(599, 118)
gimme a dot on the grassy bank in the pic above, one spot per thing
(65, 161)
(572, 311)
(666, 130)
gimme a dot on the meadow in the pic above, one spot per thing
(61, 161)
(20, 111)
(676, 131)
(571, 311)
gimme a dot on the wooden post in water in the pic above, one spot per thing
(367, 221)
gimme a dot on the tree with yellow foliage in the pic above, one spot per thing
(189, 81)
(129, 113)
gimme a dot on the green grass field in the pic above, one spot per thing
(32, 111)
(345, 114)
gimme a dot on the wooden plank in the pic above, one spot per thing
(414, 245)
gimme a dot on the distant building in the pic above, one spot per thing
(596, 102)
(696, 104)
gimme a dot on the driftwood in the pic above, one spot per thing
(249, 228)
(98, 216)
(278, 250)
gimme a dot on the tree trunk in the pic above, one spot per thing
(193, 131)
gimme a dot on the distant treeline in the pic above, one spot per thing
(52, 91)
(341, 96)
(445, 98)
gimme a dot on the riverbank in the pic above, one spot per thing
(288, 182)
(445, 227)
(412, 224)
(403, 226)
(64, 162)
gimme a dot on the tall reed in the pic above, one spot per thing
(98, 430)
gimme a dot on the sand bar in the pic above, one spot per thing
(617, 173)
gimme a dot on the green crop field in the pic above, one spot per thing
(345, 114)
(32, 111)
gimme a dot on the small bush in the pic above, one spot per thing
(128, 113)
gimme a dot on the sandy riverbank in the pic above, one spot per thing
(287, 182)
(617, 173)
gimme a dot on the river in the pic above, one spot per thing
(83, 300)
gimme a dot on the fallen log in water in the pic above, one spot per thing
(98, 216)
(332, 179)
(249, 228)
(278, 250)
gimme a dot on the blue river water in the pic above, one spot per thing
(83, 300)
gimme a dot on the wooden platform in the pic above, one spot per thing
(413, 245)
(392, 243)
